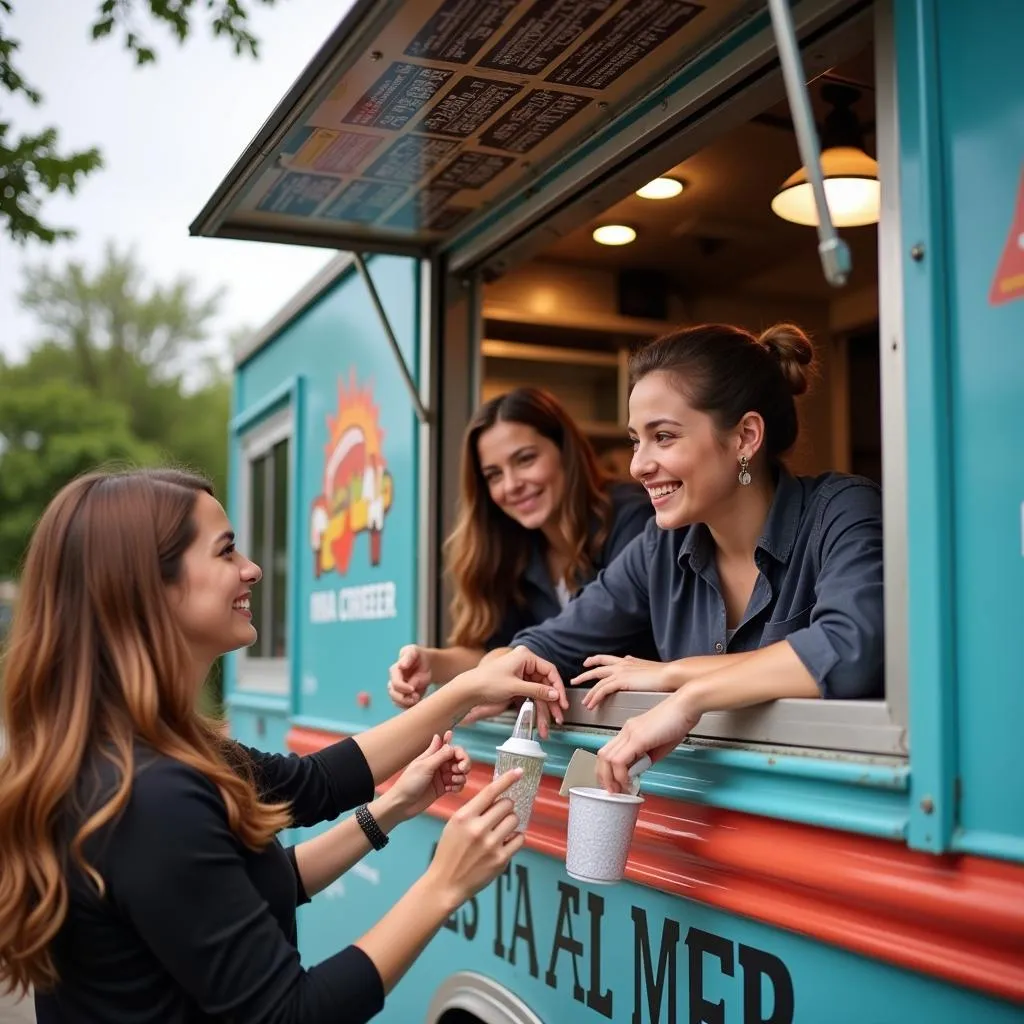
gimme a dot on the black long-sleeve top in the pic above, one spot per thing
(194, 926)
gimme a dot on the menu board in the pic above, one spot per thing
(456, 103)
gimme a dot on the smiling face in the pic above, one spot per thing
(688, 466)
(523, 472)
(211, 599)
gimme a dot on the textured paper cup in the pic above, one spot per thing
(600, 830)
(528, 755)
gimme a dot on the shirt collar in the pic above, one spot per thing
(777, 539)
(536, 567)
(780, 528)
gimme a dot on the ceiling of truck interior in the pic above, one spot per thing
(720, 232)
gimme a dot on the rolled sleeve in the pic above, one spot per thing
(611, 615)
(843, 646)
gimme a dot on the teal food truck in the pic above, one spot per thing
(821, 862)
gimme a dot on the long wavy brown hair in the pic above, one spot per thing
(488, 551)
(94, 664)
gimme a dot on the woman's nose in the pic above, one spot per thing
(641, 465)
(252, 573)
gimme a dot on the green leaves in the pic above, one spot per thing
(125, 373)
(32, 167)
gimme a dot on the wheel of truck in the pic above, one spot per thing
(470, 998)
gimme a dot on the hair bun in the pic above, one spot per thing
(793, 351)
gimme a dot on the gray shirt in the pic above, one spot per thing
(539, 599)
(819, 586)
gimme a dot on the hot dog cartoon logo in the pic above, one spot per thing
(358, 490)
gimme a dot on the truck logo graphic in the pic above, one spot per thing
(358, 490)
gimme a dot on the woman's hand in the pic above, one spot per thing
(441, 768)
(477, 843)
(613, 674)
(656, 733)
(491, 686)
(410, 675)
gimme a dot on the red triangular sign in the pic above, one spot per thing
(1009, 280)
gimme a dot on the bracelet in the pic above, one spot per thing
(373, 832)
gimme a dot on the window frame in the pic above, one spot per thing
(855, 730)
(258, 674)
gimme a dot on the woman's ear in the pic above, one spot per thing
(749, 434)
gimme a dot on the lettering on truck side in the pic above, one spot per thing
(767, 986)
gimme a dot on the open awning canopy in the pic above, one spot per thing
(417, 117)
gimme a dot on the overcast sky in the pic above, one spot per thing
(169, 133)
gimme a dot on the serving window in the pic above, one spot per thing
(733, 244)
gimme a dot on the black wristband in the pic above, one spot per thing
(368, 823)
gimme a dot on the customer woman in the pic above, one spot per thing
(537, 520)
(140, 874)
(755, 584)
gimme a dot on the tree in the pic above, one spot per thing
(33, 166)
(126, 371)
(50, 434)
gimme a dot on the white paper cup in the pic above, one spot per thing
(529, 756)
(601, 828)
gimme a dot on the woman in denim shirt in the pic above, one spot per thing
(753, 584)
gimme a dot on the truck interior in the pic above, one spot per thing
(713, 251)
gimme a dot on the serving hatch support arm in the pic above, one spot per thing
(836, 261)
(422, 413)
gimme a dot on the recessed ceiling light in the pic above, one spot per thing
(661, 188)
(614, 234)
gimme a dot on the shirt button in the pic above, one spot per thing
(719, 647)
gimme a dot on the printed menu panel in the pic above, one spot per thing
(473, 170)
(463, 101)
(429, 210)
(532, 120)
(297, 195)
(411, 158)
(397, 96)
(543, 34)
(458, 30)
(363, 201)
(468, 106)
(623, 41)
(337, 152)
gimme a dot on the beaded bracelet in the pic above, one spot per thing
(368, 823)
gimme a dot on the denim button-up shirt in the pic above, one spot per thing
(630, 513)
(819, 586)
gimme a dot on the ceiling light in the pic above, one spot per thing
(852, 189)
(614, 234)
(661, 188)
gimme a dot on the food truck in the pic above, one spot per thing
(855, 167)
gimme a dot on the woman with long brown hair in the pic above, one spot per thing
(140, 874)
(537, 520)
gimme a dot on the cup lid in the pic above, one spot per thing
(521, 741)
(523, 747)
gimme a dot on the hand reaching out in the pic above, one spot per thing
(441, 768)
(613, 674)
(410, 676)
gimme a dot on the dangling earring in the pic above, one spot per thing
(744, 471)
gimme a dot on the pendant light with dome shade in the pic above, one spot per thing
(852, 187)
